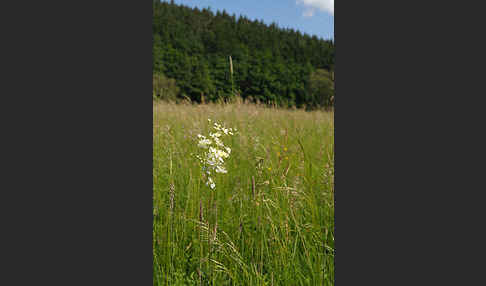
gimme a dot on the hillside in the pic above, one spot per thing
(191, 59)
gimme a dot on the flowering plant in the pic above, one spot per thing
(214, 152)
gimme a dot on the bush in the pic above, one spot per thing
(164, 88)
(320, 89)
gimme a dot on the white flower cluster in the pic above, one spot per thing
(215, 152)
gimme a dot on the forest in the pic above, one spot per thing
(211, 56)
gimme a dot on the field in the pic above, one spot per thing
(270, 218)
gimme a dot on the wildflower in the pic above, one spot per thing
(220, 169)
(204, 143)
(269, 168)
(215, 152)
(215, 135)
(285, 149)
(218, 142)
(210, 183)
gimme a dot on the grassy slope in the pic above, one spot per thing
(279, 232)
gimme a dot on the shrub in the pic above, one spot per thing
(164, 88)
(320, 89)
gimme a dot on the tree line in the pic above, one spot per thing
(204, 56)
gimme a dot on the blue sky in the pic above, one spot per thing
(314, 17)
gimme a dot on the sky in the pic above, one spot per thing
(314, 17)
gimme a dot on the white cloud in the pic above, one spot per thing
(323, 5)
(309, 12)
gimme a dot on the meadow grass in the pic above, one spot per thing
(270, 220)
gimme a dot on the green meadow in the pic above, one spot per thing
(270, 219)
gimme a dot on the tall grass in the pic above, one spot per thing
(270, 220)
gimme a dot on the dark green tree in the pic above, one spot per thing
(270, 64)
